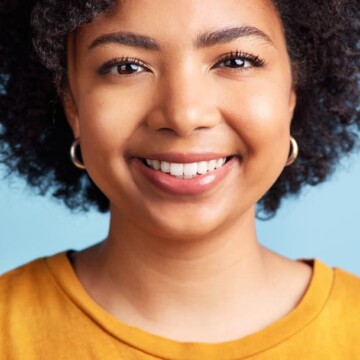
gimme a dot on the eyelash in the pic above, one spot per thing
(255, 60)
(105, 68)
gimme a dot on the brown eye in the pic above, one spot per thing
(239, 60)
(126, 69)
(235, 63)
(122, 67)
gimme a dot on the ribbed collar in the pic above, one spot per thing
(308, 308)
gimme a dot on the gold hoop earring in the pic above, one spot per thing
(73, 155)
(294, 152)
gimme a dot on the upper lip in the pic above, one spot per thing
(182, 158)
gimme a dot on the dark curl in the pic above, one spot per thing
(323, 44)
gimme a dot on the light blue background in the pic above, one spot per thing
(323, 223)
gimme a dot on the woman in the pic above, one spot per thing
(184, 115)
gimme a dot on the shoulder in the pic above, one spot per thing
(342, 309)
(28, 295)
(26, 285)
(329, 314)
(32, 305)
(346, 288)
(18, 279)
(21, 293)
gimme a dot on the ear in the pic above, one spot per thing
(293, 96)
(67, 97)
(292, 102)
(71, 112)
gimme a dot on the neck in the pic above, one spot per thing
(155, 280)
(193, 260)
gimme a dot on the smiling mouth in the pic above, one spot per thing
(186, 170)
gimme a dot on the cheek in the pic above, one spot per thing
(108, 120)
(260, 115)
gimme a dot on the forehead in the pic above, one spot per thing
(182, 20)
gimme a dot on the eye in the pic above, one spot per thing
(239, 60)
(123, 67)
(235, 63)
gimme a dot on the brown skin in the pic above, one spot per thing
(186, 268)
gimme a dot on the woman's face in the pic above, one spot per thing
(181, 83)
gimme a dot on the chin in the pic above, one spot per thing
(191, 226)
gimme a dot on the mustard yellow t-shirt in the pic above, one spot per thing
(45, 313)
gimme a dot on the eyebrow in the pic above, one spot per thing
(126, 38)
(206, 39)
(226, 35)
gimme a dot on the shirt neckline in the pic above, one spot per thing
(305, 312)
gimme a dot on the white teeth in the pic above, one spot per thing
(212, 165)
(202, 167)
(177, 169)
(188, 170)
(165, 167)
(156, 164)
(220, 163)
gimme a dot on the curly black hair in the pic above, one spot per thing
(323, 44)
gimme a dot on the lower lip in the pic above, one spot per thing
(190, 187)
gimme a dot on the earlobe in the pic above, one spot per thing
(71, 113)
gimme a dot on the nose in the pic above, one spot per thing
(186, 103)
